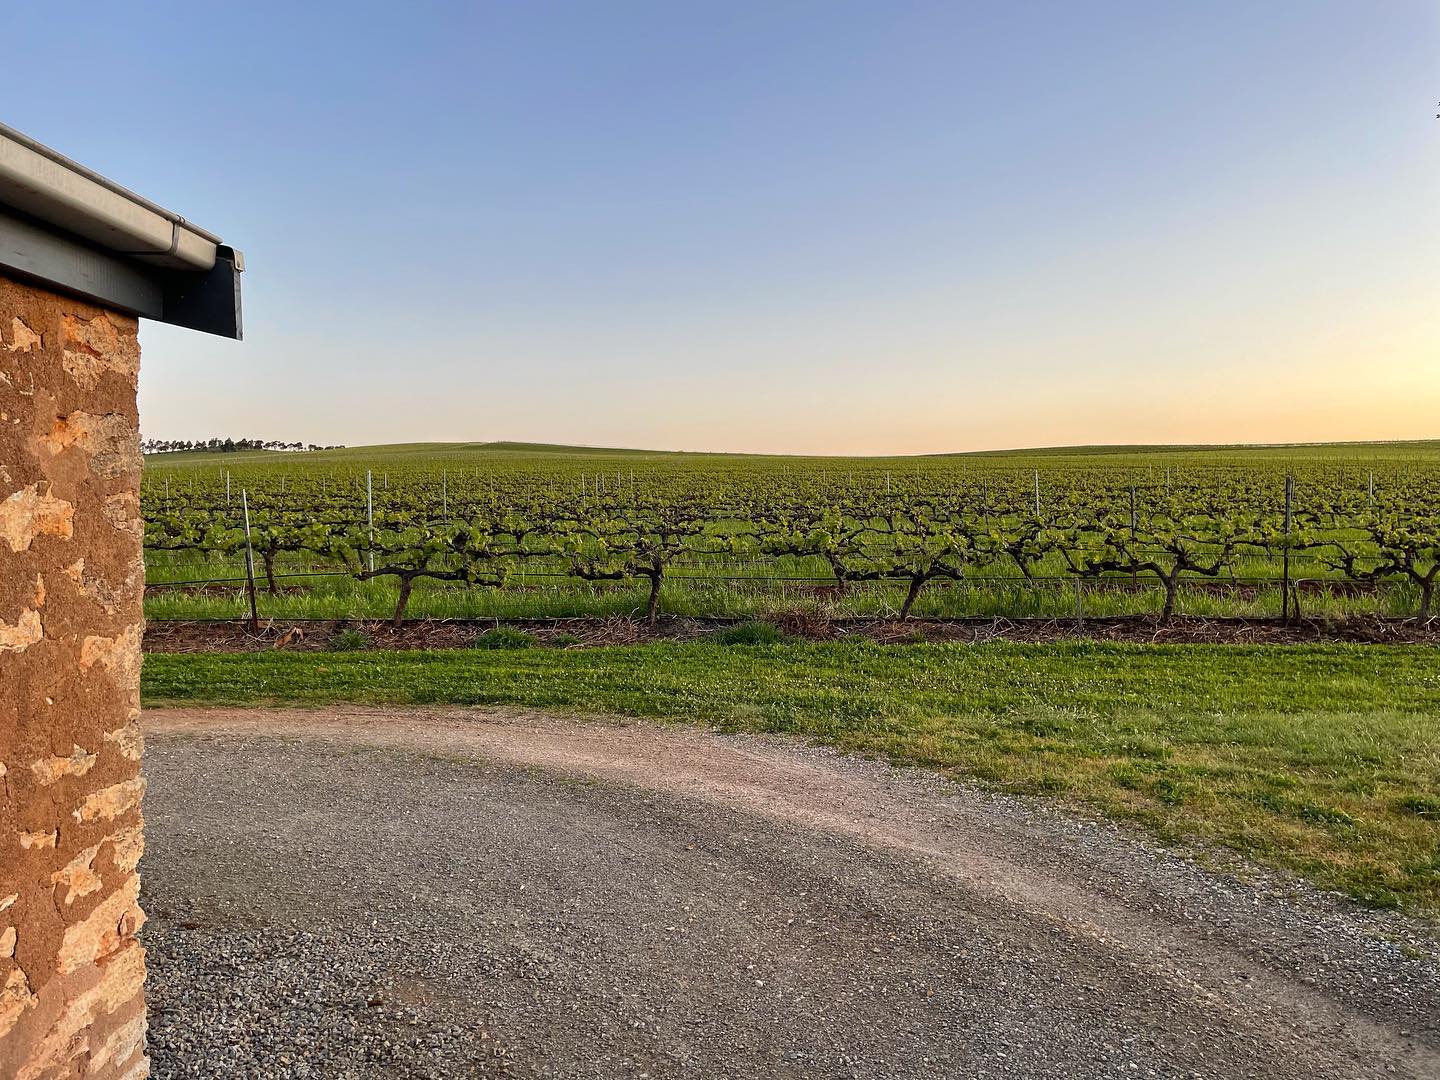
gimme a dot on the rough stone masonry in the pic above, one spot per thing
(71, 970)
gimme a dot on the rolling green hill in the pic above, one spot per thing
(478, 453)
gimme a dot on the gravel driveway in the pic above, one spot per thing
(444, 893)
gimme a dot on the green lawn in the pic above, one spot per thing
(1324, 760)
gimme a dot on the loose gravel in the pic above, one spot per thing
(445, 893)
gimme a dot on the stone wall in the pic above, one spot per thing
(71, 971)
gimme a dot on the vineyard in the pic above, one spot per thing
(509, 530)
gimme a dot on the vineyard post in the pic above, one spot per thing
(1079, 604)
(1134, 524)
(249, 564)
(445, 497)
(227, 488)
(370, 516)
(1285, 567)
(1037, 493)
(1370, 489)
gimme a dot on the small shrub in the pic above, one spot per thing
(750, 633)
(350, 640)
(562, 641)
(504, 637)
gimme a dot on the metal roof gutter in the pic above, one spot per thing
(73, 229)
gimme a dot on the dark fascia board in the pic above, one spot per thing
(204, 300)
(208, 301)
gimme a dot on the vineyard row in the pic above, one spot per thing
(911, 541)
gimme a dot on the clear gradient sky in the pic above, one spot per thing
(821, 226)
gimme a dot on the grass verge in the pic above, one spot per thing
(1324, 760)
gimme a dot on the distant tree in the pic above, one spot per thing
(227, 445)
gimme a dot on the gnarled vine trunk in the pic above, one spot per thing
(407, 582)
(652, 606)
(916, 584)
(1172, 587)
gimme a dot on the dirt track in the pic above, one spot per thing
(366, 892)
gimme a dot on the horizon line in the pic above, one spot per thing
(1075, 448)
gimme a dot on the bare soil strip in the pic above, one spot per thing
(179, 636)
(756, 906)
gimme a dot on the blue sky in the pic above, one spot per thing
(809, 226)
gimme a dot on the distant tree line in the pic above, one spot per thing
(227, 446)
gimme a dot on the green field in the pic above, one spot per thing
(526, 530)
(1324, 760)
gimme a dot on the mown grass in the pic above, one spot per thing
(1324, 760)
